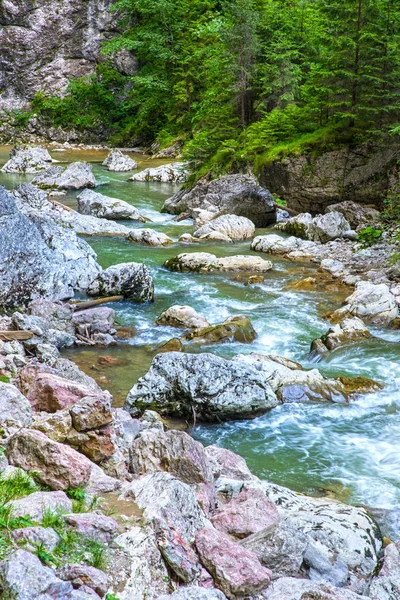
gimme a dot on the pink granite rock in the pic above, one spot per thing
(83, 575)
(236, 570)
(98, 528)
(249, 512)
(91, 412)
(228, 464)
(50, 393)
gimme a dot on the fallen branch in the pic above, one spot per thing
(291, 211)
(9, 336)
(85, 340)
(83, 304)
(63, 206)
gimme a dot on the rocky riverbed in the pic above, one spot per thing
(226, 427)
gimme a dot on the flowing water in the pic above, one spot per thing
(353, 450)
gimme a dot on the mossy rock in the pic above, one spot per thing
(235, 329)
(360, 385)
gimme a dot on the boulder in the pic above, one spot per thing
(50, 393)
(386, 584)
(178, 554)
(92, 412)
(173, 173)
(96, 527)
(284, 246)
(233, 329)
(58, 466)
(237, 229)
(322, 228)
(57, 426)
(44, 332)
(27, 159)
(227, 464)
(236, 570)
(290, 588)
(167, 500)
(248, 513)
(76, 176)
(131, 280)
(182, 316)
(357, 215)
(371, 302)
(233, 194)
(203, 262)
(97, 205)
(32, 537)
(348, 331)
(23, 577)
(85, 576)
(39, 258)
(149, 237)
(15, 409)
(211, 387)
(172, 451)
(117, 161)
(194, 593)
(92, 322)
(36, 504)
(292, 383)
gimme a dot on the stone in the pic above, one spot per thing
(31, 537)
(149, 237)
(227, 464)
(203, 262)
(39, 258)
(356, 214)
(58, 466)
(164, 498)
(371, 302)
(131, 280)
(248, 513)
(117, 161)
(328, 227)
(92, 412)
(97, 205)
(56, 426)
(289, 588)
(173, 345)
(178, 554)
(100, 482)
(346, 332)
(99, 319)
(50, 392)
(43, 331)
(236, 229)
(236, 570)
(137, 566)
(229, 194)
(173, 173)
(214, 388)
(194, 593)
(23, 577)
(76, 176)
(97, 445)
(386, 584)
(83, 575)
(36, 504)
(172, 451)
(27, 159)
(15, 409)
(233, 329)
(96, 527)
(183, 317)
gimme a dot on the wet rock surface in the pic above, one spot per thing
(98, 205)
(118, 161)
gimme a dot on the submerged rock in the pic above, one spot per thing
(173, 173)
(97, 205)
(237, 229)
(238, 329)
(131, 280)
(203, 262)
(117, 161)
(149, 237)
(76, 176)
(208, 386)
(233, 194)
(27, 159)
(182, 316)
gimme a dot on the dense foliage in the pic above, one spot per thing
(247, 80)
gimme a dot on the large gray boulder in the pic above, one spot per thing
(356, 214)
(98, 205)
(117, 161)
(204, 262)
(237, 229)
(322, 228)
(233, 194)
(210, 387)
(131, 280)
(386, 585)
(173, 173)
(76, 176)
(15, 409)
(371, 302)
(39, 257)
(26, 159)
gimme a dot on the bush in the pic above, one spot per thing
(369, 236)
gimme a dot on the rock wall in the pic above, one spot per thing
(310, 183)
(45, 43)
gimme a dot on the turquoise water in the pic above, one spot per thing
(352, 450)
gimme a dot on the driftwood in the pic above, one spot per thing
(63, 206)
(83, 304)
(9, 336)
(289, 210)
(182, 217)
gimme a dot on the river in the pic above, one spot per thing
(351, 451)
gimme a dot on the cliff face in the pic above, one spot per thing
(364, 174)
(44, 43)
